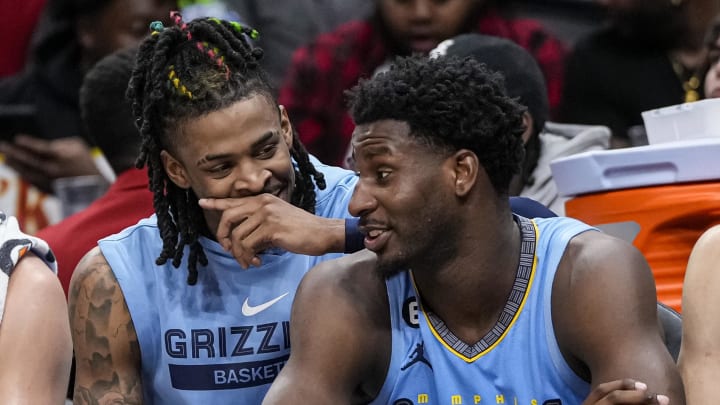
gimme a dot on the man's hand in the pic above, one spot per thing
(41, 161)
(250, 225)
(626, 391)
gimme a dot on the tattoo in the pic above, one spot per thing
(102, 330)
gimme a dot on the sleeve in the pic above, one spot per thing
(14, 244)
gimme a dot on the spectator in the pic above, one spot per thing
(73, 35)
(712, 78)
(108, 119)
(544, 140)
(322, 71)
(35, 345)
(650, 55)
(289, 24)
(463, 300)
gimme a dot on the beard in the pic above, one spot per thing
(387, 267)
(430, 247)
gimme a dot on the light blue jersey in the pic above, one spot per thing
(517, 363)
(225, 339)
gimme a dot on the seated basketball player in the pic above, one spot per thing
(699, 363)
(457, 300)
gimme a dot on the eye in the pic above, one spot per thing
(219, 169)
(382, 175)
(267, 151)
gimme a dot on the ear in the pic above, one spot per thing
(465, 167)
(528, 123)
(286, 127)
(175, 170)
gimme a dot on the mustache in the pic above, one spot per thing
(365, 223)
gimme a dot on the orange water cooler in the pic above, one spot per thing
(661, 197)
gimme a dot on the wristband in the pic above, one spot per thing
(353, 238)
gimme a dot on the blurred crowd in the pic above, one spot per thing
(70, 139)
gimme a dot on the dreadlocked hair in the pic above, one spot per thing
(183, 72)
(449, 104)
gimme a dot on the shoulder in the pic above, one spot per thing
(346, 33)
(707, 246)
(348, 283)
(529, 33)
(92, 273)
(340, 184)
(350, 274)
(590, 254)
(702, 277)
(333, 45)
(32, 277)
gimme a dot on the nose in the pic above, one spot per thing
(250, 180)
(362, 202)
(421, 9)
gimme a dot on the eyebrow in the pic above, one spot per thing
(217, 156)
(371, 151)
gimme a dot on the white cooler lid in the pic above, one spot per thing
(640, 166)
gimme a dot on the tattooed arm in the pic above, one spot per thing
(107, 354)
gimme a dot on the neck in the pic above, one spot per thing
(690, 58)
(469, 291)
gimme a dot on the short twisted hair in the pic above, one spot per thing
(451, 104)
(183, 72)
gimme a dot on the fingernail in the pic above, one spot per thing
(662, 399)
(640, 386)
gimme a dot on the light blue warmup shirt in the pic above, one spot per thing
(225, 339)
(517, 363)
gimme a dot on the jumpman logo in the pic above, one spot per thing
(417, 356)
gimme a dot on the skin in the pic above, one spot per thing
(239, 157)
(419, 25)
(36, 349)
(699, 359)
(712, 78)
(246, 196)
(605, 334)
(121, 24)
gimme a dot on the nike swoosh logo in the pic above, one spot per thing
(249, 310)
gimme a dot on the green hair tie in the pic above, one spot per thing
(156, 27)
(239, 28)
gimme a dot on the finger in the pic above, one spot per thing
(34, 145)
(244, 248)
(30, 173)
(230, 219)
(220, 204)
(629, 397)
(17, 155)
(604, 389)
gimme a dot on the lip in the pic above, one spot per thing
(375, 238)
(422, 43)
(282, 193)
(715, 93)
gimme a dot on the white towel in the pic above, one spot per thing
(13, 246)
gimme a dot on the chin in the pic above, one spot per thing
(389, 266)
